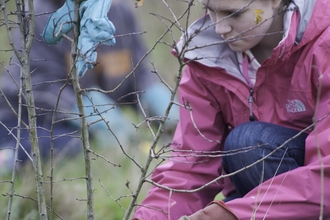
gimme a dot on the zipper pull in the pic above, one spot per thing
(250, 101)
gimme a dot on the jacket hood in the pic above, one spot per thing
(202, 44)
(314, 19)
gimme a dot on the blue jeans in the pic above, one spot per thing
(252, 141)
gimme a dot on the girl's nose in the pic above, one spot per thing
(223, 27)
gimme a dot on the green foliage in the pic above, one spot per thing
(155, 19)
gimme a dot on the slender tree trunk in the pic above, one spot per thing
(27, 89)
(83, 121)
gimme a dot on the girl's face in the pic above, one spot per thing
(244, 23)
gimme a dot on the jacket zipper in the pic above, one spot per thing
(250, 84)
(251, 101)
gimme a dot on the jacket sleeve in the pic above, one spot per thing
(302, 193)
(186, 170)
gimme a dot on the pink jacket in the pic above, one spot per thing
(292, 89)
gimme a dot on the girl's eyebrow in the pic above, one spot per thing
(230, 10)
(222, 10)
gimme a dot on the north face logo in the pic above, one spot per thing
(295, 106)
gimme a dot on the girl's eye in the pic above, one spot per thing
(234, 14)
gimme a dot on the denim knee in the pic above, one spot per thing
(251, 135)
(253, 141)
(241, 138)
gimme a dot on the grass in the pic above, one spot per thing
(110, 184)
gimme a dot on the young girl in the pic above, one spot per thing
(257, 95)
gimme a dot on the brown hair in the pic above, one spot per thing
(286, 2)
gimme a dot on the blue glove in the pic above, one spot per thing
(95, 29)
(59, 23)
(157, 98)
(112, 114)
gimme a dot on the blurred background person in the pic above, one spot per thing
(53, 91)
